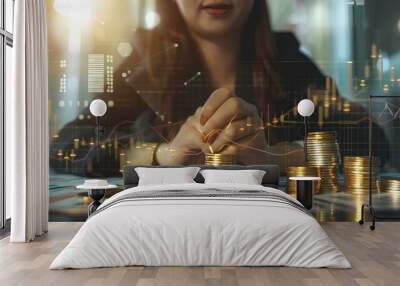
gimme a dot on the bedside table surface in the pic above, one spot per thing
(86, 187)
(305, 178)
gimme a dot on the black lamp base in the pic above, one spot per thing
(96, 195)
(305, 193)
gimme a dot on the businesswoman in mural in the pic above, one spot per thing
(230, 75)
(211, 77)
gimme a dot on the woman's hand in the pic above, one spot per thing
(225, 124)
(232, 126)
(187, 145)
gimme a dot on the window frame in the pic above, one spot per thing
(6, 39)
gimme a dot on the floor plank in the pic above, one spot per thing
(375, 257)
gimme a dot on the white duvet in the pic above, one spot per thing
(202, 232)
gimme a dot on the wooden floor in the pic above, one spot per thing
(375, 257)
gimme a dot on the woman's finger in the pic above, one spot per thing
(230, 150)
(234, 132)
(232, 109)
(216, 99)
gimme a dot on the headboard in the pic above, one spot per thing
(271, 177)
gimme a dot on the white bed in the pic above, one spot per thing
(201, 231)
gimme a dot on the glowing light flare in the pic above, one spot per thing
(392, 74)
(151, 20)
(124, 49)
(350, 76)
(346, 107)
(383, 64)
(386, 88)
(374, 51)
(79, 12)
(367, 71)
(76, 143)
(319, 15)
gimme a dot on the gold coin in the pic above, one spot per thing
(322, 152)
(359, 174)
(390, 184)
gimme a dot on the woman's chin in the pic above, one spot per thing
(215, 31)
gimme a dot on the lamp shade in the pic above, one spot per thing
(98, 108)
(305, 108)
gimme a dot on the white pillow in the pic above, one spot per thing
(246, 177)
(166, 176)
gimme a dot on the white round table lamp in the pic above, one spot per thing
(98, 108)
(305, 108)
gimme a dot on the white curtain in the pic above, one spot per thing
(27, 124)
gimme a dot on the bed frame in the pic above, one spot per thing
(271, 177)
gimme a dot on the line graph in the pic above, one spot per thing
(389, 113)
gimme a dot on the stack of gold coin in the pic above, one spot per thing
(301, 171)
(329, 182)
(215, 159)
(323, 152)
(390, 185)
(357, 174)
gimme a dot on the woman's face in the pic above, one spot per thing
(215, 18)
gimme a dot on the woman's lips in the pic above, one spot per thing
(217, 9)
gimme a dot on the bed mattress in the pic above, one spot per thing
(201, 225)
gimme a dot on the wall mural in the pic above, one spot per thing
(170, 102)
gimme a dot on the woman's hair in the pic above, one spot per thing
(257, 43)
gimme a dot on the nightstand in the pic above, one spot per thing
(305, 190)
(96, 191)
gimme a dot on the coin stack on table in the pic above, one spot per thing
(215, 159)
(323, 152)
(301, 171)
(390, 185)
(357, 174)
